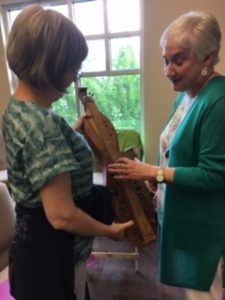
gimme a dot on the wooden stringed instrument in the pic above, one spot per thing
(131, 199)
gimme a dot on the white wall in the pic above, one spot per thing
(4, 83)
(158, 96)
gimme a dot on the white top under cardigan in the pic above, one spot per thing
(164, 145)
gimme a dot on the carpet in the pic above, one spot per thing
(4, 291)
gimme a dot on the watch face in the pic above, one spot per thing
(160, 177)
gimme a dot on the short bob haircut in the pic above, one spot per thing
(198, 31)
(43, 45)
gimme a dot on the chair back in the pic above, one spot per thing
(7, 224)
(2, 152)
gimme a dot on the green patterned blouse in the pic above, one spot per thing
(39, 146)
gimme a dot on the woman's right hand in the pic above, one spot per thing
(119, 230)
(129, 169)
(63, 214)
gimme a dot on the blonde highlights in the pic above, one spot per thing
(43, 45)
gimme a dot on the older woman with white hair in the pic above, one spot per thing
(189, 180)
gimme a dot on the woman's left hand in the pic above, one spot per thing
(79, 125)
(125, 168)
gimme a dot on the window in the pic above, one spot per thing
(112, 70)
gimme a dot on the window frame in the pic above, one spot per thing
(6, 5)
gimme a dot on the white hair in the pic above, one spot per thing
(198, 31)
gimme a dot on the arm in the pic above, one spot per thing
(206, 171)
(209, 171)
(63, 214)
(126, 168)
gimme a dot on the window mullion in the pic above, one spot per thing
(111, 73)
(107, 42)
(70, 10)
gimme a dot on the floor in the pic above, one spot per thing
(4, 285)
(117, 279)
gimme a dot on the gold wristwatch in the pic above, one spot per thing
(160, 176)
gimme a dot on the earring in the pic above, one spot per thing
(204, 71)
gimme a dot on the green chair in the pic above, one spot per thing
(130, 143)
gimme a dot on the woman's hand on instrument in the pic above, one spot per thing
(125, 168)
(119, 230)
(79, 125)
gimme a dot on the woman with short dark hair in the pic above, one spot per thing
(49, 164)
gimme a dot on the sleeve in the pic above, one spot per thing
(209, 173)
(47, 154)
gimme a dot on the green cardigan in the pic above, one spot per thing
(193, 229)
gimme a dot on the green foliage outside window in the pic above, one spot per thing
(117, 97)
(66, 106)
